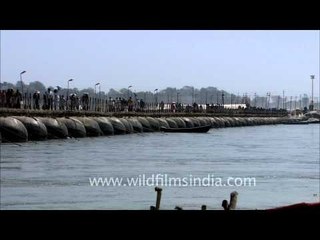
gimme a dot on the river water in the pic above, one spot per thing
(54, 174)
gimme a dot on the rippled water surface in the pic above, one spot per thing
(55, 174)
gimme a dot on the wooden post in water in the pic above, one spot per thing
(152, 208)
(225, 204)
(233, 200)
(158, 190)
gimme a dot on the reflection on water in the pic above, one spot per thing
(55, 174)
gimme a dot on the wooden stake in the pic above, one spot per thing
(158, 190)
(233, 200)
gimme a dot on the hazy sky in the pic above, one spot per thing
(236, 61)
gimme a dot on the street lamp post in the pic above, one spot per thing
(70, 80)
(129, 91)
(155, 93)
(222, 98)
(245, 98)
(300, 102)
(206, 97)
(255, 99)
(100, 97)
(95, 95)
(285, 103)
(311, 105)
(268, 100)
(22, 86)
(231, 101)
(22, 81)
(193, 100)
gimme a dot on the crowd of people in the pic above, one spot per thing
(10, 98)
(121, 104)
(52, 100)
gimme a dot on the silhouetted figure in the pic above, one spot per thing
(195, 107)
(55, 99)
(85, 101)
(45, 101)
(62, 103)
(142, 104)
(130, 104)
(161, 106)
(50, 99)
(36, 100)
(74, 101)
(17, 99)
(173, 107)
(9, 97)
(3, 98)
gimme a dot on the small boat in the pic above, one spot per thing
(309, 121)
(296, 123)
(313, 120)
(201, 129)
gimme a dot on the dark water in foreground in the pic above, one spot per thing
(55, 174)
